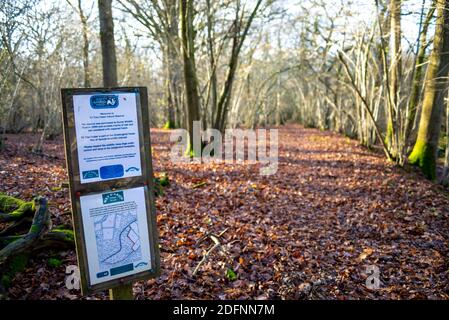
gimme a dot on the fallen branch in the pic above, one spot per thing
(199, 185)
(41, 224)
(217, 244)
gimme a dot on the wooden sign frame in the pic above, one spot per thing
(77, 189)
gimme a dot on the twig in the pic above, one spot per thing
(217, 244)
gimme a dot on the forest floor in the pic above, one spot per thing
(310, 231)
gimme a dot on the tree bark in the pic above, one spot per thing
(395, 76)
(190, 77)
(445, 177)
(238, 39)
(425, 151)
(85, 29)
(212, 62)
(107, 43)
(418, 74)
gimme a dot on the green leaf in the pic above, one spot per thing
(231, 275)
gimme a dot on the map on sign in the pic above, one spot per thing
(117, 239)
(116, 231)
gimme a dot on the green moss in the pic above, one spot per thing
(169, 125)
(69, 233)
(442, 143)
(423, 156)
(190, 152)
(5, 281)
(389, 134)
(9, 204)
(34, 228)
(15, 207)
(54, 262)
(163, 180)
(24, 209)
(158, 189)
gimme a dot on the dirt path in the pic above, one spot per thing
(310, 231)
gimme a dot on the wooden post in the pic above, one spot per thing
(123, 292)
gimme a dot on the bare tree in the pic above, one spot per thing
(107, 43)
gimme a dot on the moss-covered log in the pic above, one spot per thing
(13, 209)
(41, 224)
(57, 239)
(16, 249)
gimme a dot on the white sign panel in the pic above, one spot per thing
(116, 234)
(107, 136)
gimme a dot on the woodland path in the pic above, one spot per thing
(307, 232)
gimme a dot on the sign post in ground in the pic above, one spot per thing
(107, 143)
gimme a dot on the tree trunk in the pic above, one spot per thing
(395, 76)
(417, 76)
(85, 45)
(445, 177)
(169, 94)
(238, 39)
(107, 43)
(425, 151)
(212, 65)
(190, 78)
(171, 60)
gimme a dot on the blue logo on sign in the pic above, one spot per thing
(111, 172)
(104, 101)
(140, 264)
(113, 197)
(102, 274)
(90, 174)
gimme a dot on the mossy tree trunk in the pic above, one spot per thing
(424, 152)
(417, 75)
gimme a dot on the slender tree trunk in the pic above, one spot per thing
(417, 76)
(445, 178)
(107, 43)
(424, 153)
(212, 66)
(170, 99)
(190, 78)
(237, 42)
(171, 44)
(85, 29)
(395, 76)
(278, 101)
